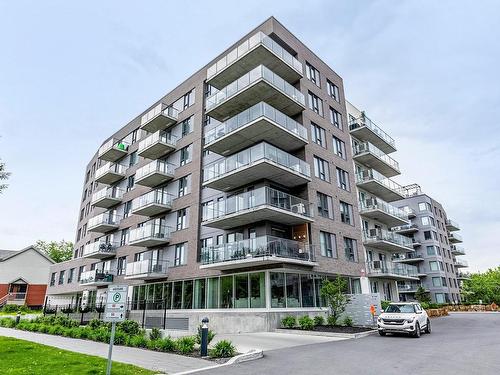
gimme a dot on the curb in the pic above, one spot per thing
(327, 334)
(245, 357)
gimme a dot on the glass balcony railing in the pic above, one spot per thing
(261, 151)
(407, 256)
(158, 110)
(96, 276)
(160, 136)
(380, 267)
(455, 237)
(100, 247)
(158, 197)
(365, 121)
(264, 196)
(364, 147)
(461, 263)
(106, 218)
(110, 192)
(147, 266)
(407, 287)
(377, 235)
(251, 114)
(110, 168)
(249, 44)
(453, 225)
(372, 175)
(405, 228)
(150, 230)
(264, 246)
(378, 204)
(260, 72)
(156, 166)
(113, 144)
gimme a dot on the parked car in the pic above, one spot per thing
(407, 317)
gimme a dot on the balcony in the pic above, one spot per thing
(258, 162)
(146, 270)
(159, 118)
(364, 129)
(257, 205)
(105, 222)
(256, 124)
(406, 229)
(260, 251)
(369, 155)
(413, 257)
(383, 212)
(259, 84)
(457, 250)
(157, 145)
(256, 50)
(96, 278)
(461, 263)
(463, 275)
(110, 173)
(379, 185)
(113, 150)
(107, 197)
(410, 288)
(153, 203)
(150, 234)
(155, 173)
(416, 242)
(390, 270)
(385, 240)
(99, 250)
(452, 226)
(454, 237)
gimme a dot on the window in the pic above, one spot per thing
(434, 266)
(61, 277)
(207, 210)
(335, 118)
(187, 126)
(312, 74)
(121, 266)
(424, 206)
(346, 215)
(351, 249)
(127, 207)
(188, 99)
(436, 281)
(431, 250)
(180, 254)
(333, 91)
(328, 244)
(182, 219)
(321, 169)
(315, 103)
(318, 135)
(183, 182)
(130, 182)
(425, 220)
(134, 136)
(427, 235)
(133, 159)
(53, 279)
(124, 237)
(184, 157)
(71, 275)
(207, 242)
(80, 271)
(339, 148)
(325, 205)
(343, 179)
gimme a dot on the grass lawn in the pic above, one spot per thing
(20, 357)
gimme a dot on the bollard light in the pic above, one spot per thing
(204, 337)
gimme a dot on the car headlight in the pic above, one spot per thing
(379, 319)
(410, 320)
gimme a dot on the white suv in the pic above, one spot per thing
(401, 317)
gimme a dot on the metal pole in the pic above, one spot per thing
(164, 314)
(204, 338)
(110, 351)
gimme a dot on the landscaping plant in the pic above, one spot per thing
(211, 335)
(289, 321)
(319, 320)
(185, 345)
(333, 292)
(306, 322)
(223, 349)
(348, 321)
(155, 334)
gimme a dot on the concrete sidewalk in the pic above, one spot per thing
(156, 361)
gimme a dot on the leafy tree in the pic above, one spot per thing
(483, 287)
(3, 176)
(333, 292)
(58, 251)
(422, 296)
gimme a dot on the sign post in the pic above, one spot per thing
(114, 312)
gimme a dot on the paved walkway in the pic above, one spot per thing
(156, 361)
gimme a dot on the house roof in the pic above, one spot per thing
(7, 254)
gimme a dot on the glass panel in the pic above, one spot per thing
(199, 293)
(257, 290)
(226, 292)
(167, 295)
(188, 295)
(177, 298)
(307, 288)
(292, 290)
(277, 289)
(241, 291)
(213, 293)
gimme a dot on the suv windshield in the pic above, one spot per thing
(403, 309)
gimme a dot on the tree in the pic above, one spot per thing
(3, 175)
(334, 294)
(59, 251)
(484, 287)
(422, 296)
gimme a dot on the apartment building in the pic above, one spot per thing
(377, 192)
(235, 192)
(437, 246)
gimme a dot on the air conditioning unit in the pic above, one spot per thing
(377, 264)
(157, 268)
(373, 232)
(370, 202)
(299, 208)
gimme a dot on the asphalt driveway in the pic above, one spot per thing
(462, 343)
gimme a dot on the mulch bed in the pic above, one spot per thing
(337, 329)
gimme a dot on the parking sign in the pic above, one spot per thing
(116, 303)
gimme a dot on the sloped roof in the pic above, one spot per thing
(7, 254)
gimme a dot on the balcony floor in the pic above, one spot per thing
(110, 178)
(159, 122)
(407, 230)
(257, 261)
(257, 214)
(391, 276)
(371, 161)
(262, 129)
(103, 228)
(152, 209)
(150, 242)
(263, 169)
(113, 154)
(154, 179)
(409, 261)
(147, 276)
(106, 202)
(387, 246)
(157, 150)
(380, 190)
(383, 217)
(454, 240)
(97, 283)
(366, 134)
(260, 55)
(99, 255)
(259, 91)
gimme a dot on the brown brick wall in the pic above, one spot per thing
(36, 295)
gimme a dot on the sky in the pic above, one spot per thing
(72, 73)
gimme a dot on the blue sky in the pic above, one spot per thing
(71, 74)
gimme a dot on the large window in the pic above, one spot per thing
(312, 74)
(424, 206)
(182, 186)
(307, 290)
(315, 103)
(336, 118)
(213, 293)
(318, 135)
(292, 290)
(258, 290)
(182, 219)
(346, 213)
(327, 244)
(339, 148)
(241, 291)
(325, 208)
(343, 179)
(177, 295)
(321, 169)
(434, 266)
(278, 289)
(351, 250)
(187, 300)
(226, 292)
(333, 91)
(180, 254)
(185, 156)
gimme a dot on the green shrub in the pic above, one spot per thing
(83, 333)
(155, 334)
(10, 308)
(211, 335)
(55, 330)
(95, 323)
(101, 334)
(24, 309)
(385, 304)
(425, 305)
(166, 345)
(120, 338)
(129, 327)
(348, 321)
(289, 321)
(319, 320)
(306, 322)
(23, 325)
(43, 328)
(138, 341)
(185, 345)
(65, 321)
(331, 320)
(223, 349)
(9, 323)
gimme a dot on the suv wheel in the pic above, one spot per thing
(428, 327)
(381, 333)
(417, 332)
